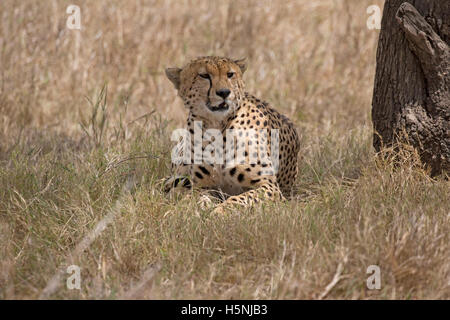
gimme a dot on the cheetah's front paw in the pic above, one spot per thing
(219, 210)
(176, 181)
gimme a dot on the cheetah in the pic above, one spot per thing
(212, 89)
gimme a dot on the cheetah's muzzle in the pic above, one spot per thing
(221, 107)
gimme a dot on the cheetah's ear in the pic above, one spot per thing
(242, 63)
(174, 76)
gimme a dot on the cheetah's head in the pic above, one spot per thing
(211, 87)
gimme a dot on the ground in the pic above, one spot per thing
(68, 161)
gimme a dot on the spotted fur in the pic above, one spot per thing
(213, 91)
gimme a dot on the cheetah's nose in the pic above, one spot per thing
(224, 93)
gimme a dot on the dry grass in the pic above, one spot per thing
(66, 163)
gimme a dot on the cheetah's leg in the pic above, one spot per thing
(179, 179)
(266, 189)
(192, 176)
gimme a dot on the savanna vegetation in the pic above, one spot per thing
(85, 123)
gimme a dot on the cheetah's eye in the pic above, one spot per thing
(204, 75)
(230, 75)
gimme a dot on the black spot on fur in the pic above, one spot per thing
(198, 175)
(204, 170)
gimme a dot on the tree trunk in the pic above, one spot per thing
(411, 92)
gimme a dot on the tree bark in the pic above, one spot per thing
(411, 91)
